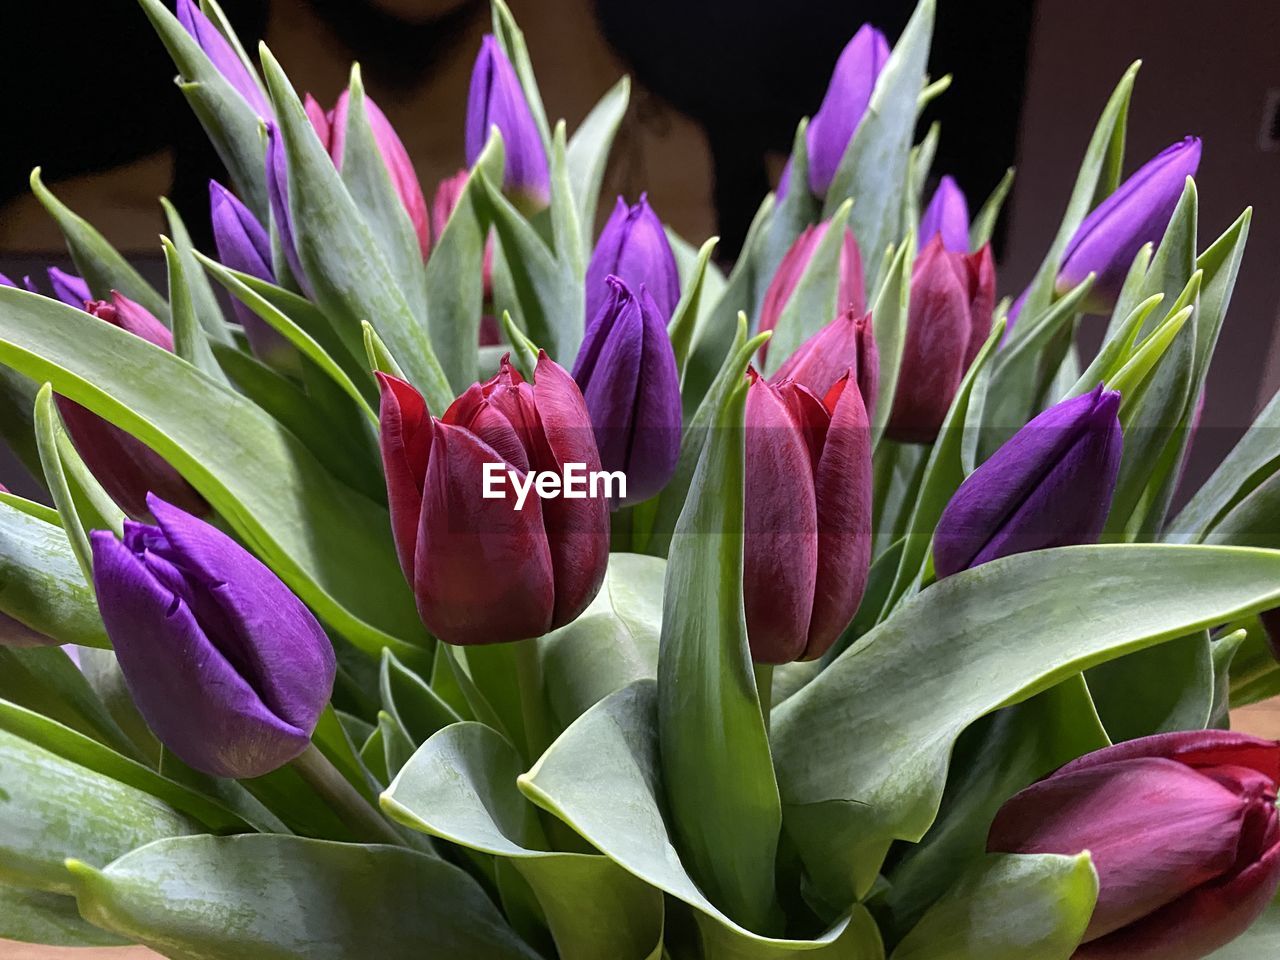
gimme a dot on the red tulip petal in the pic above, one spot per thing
(404, 437)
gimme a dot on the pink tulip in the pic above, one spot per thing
(846, 343)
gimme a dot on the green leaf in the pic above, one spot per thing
(587, 155)
(49, 427)
(873, 170)
(1009, 908)
(189, 341)
(101, 265)
(813, 302)
(205, 302)
(721, 792)
(339, 253)
(461, 786)
(1116, 350)
(331, 545)
(685, 317)
(33, 916)
(1260, 940)
(856, 771)
(984, 223)
(227, 118)
(1097, 178)
(994, 758)
(919, 165)
(219, 897)
(42, 585)
(1159, 690)
(512, 40)
(566, 232)
(1254, 674)
(409, 700)
(889, 312)
(376, 352)
(612, 643)
(55, 809)
(793, 210)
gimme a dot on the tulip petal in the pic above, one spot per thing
(482, 571)
(224, 58)
(496, 98)
(1199, 749)
(70, 289)
(654, 446)
(947, 216)
(842, 109)
(633, 247)
(187, 691)
(404, 438)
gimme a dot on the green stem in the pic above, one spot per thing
(352, 809)
(764, 689)
(533, 709)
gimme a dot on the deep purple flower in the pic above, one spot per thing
(243, 244)
(627, 371)
(846, 101)
(70, 289)
(1137, 213)
(948, 215)
(1183, 833)
(496, 99)
(229, 668)
(1050, 485)
(633, 247)
(217, 48)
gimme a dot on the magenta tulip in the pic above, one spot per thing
(846, 343)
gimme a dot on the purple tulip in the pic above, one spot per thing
(126, 467)
(278, 197)
(1050, 485)
(807, 516)
(496, 99)
(69, 288)
(229, 669)
(243, 244)
(6, 282)
(947, 215)
(633, 247)
(627, 371)
(847, 98)
(1183, 832)
(224, 58)
(1137, 213)
(487, 569)
(846, 343)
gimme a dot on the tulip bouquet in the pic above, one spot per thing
(443, 579)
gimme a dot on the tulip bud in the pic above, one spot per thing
(626, 368)
(243, 244)
(125, 466)
(496, 99)
(1050, 485)
(483, 570)
(1136, 214)
(846, 343)
(278, 198)
(224, 58)
(807, 516)
(850, 294)
(69, 288)
(634, 248)
(1183, 832)
(6, 282)
(947, 216)
(229, 669)
(847, 98)
(952, 298)
(394, 156)
(448, 193)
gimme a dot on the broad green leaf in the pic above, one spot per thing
(984, 223)
(42, 585)
(856, 771)
(221, 897)
(1098, 176)
(364, 173)
(994, 758)
(587, 154)
(1254, 673)
(1158, 690)
(602, 777)
(1175, 258)
(189, 340)
(17, 398)
(343, 262)
(101, 265)
(889, 312)
(1009, 908)
(1117, 349)
(873, 170)
(330, 544)
(461, 786)
(54, 809)
(226, 117)
(411, 702)
(1254, 520)
(565, 231)
(34, 916)
(813, 302)
(1260, 940)
(612, 643)
(205, 302)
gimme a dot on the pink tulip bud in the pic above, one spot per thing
(1184, 835)
(846, 343)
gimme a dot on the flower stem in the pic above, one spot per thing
(365, 822)
(764, 689)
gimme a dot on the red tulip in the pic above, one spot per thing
(1184, 835)
(952, 298)
(849, 292)
(490, 570)
(846, 343)
(807, 516)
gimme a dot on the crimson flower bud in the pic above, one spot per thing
(846, 343)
